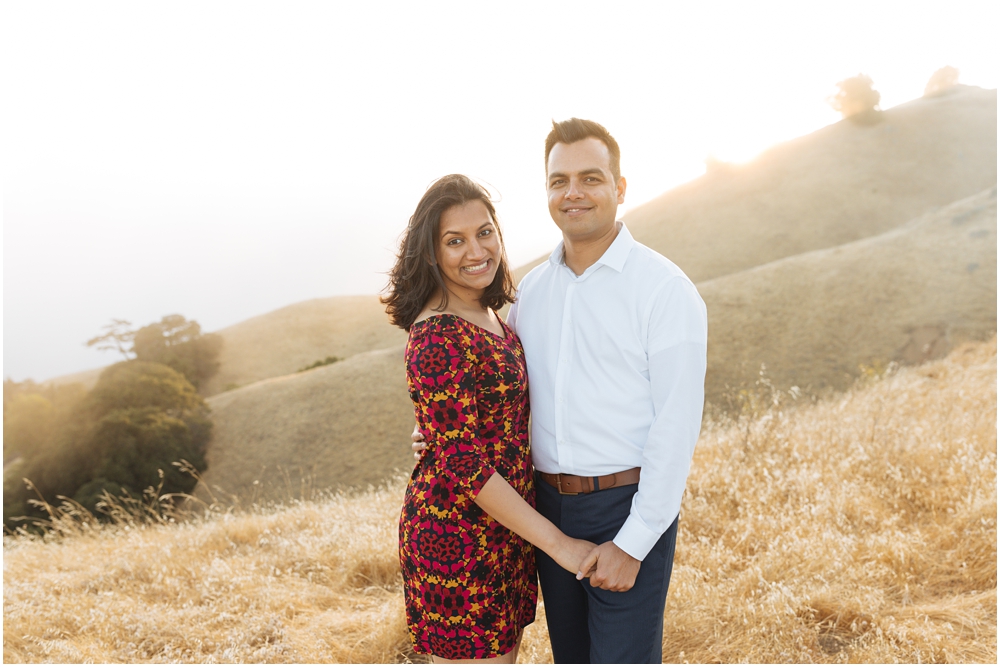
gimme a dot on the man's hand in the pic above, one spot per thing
(610, 568)
(418, 445)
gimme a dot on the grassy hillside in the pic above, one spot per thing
(285, 340)
(842, 183)
(339, 425)
(859, 529)
(907, 295)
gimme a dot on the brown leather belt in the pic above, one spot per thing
(571, 485)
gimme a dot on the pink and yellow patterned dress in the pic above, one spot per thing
(469, 583)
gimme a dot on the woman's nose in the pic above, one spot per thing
(476, 249)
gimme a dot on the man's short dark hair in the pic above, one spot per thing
(576, 129)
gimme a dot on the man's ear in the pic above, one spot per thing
(621, 190)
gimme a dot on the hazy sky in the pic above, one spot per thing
(221, 160)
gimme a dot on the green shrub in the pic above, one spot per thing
(138, 420)
(318, 363)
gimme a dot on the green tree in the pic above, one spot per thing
(117, 336)
(128, 449)
(138, 419)
(180, 344)
(174, 341)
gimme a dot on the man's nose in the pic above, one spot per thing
(574, 191)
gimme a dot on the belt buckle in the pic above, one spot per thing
(559, 487)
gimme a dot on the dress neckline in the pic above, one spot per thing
(503, 325)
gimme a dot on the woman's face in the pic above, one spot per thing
(468, 249)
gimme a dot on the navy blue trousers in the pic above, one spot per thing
(590, 625)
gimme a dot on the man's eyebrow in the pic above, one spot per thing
(582, 172)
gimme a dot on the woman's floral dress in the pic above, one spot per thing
(469, 582)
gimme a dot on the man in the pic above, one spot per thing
(615, 339)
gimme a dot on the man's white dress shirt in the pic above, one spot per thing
(616, 371)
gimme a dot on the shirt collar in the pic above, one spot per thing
(614, 257)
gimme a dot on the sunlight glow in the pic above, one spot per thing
(221, 160)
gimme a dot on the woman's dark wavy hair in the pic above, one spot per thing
(416, 276)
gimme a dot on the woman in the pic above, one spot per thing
(468, 518)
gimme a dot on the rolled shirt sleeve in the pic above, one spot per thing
(677, 346)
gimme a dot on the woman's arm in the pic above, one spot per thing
(498, 499)
(443, 379)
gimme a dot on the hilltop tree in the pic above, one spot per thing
(180, 344)
(174, 341)
(117, 336)
(941, 81)
(856, 98)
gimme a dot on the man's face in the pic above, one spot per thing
(583, 194)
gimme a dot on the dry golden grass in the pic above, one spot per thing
(858, 529)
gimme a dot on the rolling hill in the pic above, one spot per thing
(340, 425)
(290, 338)
(907, 295)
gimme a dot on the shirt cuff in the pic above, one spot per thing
(634, 538)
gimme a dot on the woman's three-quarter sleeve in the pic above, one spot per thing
(443, 389)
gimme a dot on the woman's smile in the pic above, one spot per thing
(482, 267)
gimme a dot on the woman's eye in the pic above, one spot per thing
(486, 232)
(454, 241)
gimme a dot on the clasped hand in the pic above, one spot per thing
(610, 568)
(606, 565)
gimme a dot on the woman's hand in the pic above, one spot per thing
(570, 554)
(417, 445)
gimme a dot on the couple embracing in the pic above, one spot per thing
(613, 338)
